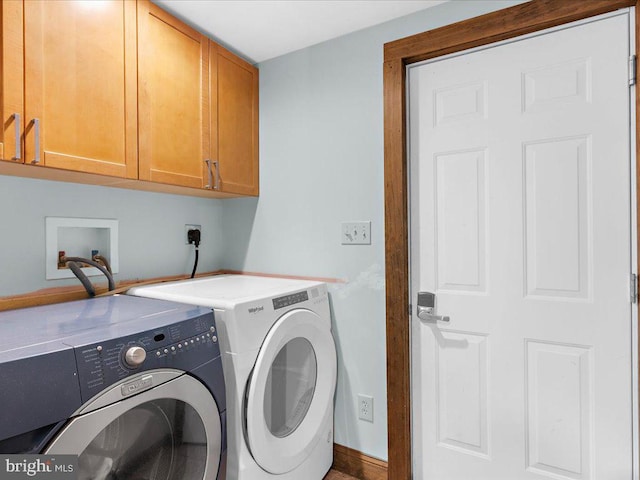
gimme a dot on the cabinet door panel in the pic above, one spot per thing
(237, 83)
(173, 99)
(80, 83)
(11, 76)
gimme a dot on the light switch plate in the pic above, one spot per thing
(356, 233)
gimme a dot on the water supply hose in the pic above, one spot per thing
(103, 261)
(77, 271)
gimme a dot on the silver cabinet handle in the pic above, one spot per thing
(216, 186)
(426, 308)
(210, 175)
(16, 119)
(36, 127)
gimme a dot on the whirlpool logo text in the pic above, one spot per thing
(58, 467)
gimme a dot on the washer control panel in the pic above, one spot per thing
(183, 346)
(188, 344)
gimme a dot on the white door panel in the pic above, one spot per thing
(520, 223)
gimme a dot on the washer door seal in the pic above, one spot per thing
(295, 437)
(79, 434)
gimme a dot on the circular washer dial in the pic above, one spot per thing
(135, 356)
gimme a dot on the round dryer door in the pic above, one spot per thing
(171, 432)
(289, 396)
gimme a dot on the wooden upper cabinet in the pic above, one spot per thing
(80, 85)
(11, 81)
(235, 127)
(121, 88)
(173, 99)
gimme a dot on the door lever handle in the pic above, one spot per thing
(426, 306)
(426, 314)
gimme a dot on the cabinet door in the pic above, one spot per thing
(11, 80)
(237, 122)
(173, 98)
(80, 85)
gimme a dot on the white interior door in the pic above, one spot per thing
(520, 223)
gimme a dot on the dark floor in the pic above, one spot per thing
(335, 475)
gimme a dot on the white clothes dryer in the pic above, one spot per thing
(279, 363)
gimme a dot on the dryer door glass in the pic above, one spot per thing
(290, 386)
(162, 439)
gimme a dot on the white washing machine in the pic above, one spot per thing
(279, 363)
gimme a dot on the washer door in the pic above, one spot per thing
(171, 432)
(289, 395)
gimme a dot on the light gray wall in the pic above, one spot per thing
(321, 154)
(151, 230)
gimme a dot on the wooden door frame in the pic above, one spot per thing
(511, 22)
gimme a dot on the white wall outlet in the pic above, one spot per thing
(356, 233)
(186, 232)
(365, 407)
